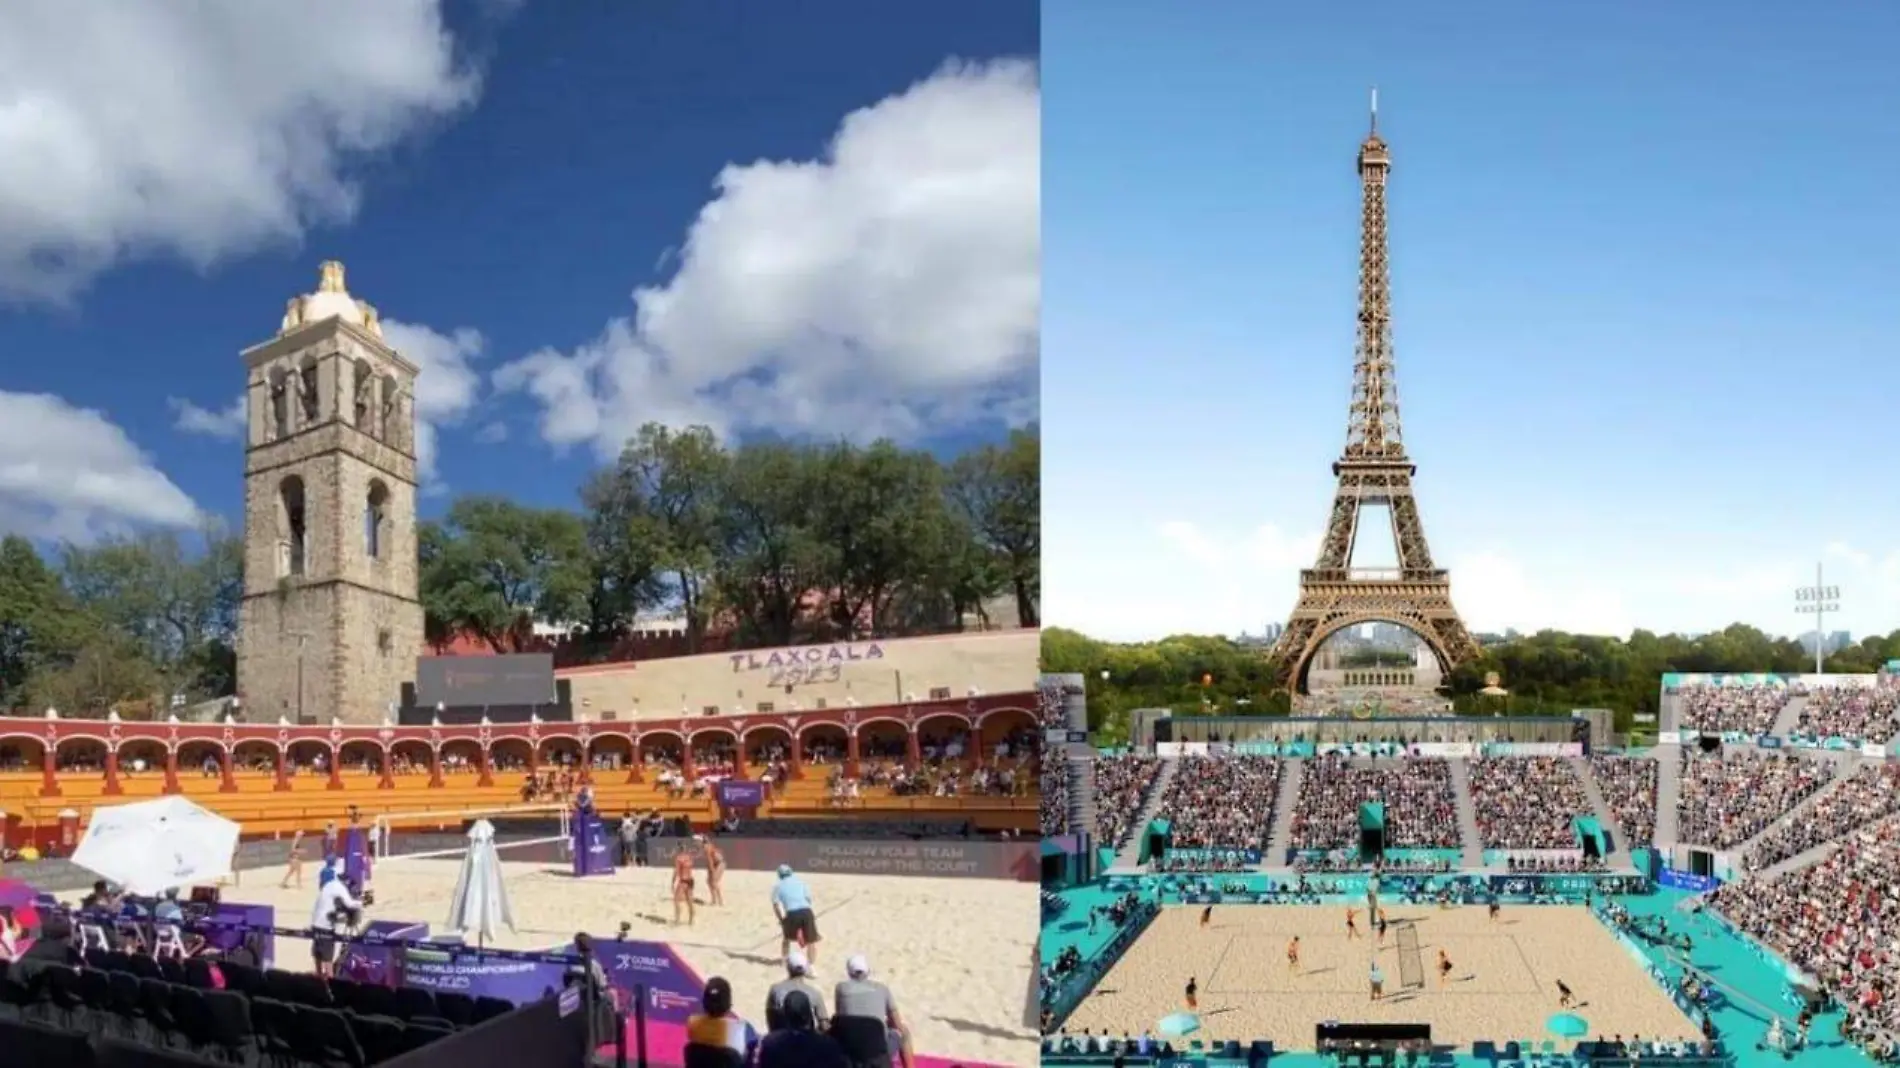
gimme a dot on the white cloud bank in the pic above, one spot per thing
(199, 132)
(890, 287)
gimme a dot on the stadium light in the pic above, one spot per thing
(1818, 600)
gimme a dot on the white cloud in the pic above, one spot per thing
(226, 422)
(890, 287)
(199, 130)
(447, 388)
(70, 473)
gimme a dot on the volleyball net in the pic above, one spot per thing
(1411, 957)
(522, 833)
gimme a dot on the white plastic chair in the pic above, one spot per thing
(168, 943)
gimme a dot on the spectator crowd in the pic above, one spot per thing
(1527, 802)
(1725, 801)
(1221, 802)
(1122, 784)
(1864, 714)
(1053, 784)
(1714, 709)
(1870, 794)
(1421, 810)
(1839, 921)
(1629, 789)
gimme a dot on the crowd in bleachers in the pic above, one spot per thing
(1871, 793)
(1865, 714)
(1221, 802)
(1839, 921)
(1725, 802)
(1527, 802)
(1421, 811)
(1121, 787)
(1628, 785)
(1054, 780)
(1714, 709)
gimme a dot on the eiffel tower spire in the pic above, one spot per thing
(1372, 428)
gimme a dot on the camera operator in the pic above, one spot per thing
(336, 914)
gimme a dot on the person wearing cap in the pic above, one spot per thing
(791, 903)
(716, 1027)
(858, 996)
(796, 981)
(799, 1044)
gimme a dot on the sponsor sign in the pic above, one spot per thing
(1682, 880)
(944, 859)
(672, 987)
(1668, 737)
(1872, 750)
(1215, 856)
(1545, 749)
(740, 793)
(1644, 717)
(464, 681)
(804, 665)
(1529, 886)
(1768, 741)
(1454, 750)
(1734, 738)
(592, 855)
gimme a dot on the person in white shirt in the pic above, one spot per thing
(332, 893)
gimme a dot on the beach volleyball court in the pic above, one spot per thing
(1503, 984)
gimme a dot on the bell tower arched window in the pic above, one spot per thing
(293, 531)
(375, 519)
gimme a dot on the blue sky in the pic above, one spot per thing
(499, 179)
(1644, 272)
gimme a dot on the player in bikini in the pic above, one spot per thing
(293, 869)
(1293, 955)
(715, 871)
(1192, 989)
(1352, 923)
(682, 885)
(1444, 969)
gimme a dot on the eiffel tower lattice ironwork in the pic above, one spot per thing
(1373, 470)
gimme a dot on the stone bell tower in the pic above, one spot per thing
(331, 624)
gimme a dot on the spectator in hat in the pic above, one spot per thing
(860, 1000)
(715, 1026)
(791, 903)
(799, 1045)
(796, 981)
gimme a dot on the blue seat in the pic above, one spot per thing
(1485, 1051)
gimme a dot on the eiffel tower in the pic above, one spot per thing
(1373, 470)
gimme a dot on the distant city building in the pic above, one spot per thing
(1830, 645)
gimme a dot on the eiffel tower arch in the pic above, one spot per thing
(1373, 470)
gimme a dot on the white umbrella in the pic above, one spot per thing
(480, 903)
(149, 847)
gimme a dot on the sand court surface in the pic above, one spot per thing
(1503, 982)
(956, 953)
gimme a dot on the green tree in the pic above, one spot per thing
(492, 565)
(999, 489)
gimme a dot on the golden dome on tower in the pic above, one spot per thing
(331, 300)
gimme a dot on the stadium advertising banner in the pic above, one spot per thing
(941, 859)
(1215, 856)
(1682, 880)
(1530, 886)
(740, 793)
(1668, 737)
(1533, 749)
(1768, 741)
(1453, 750)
